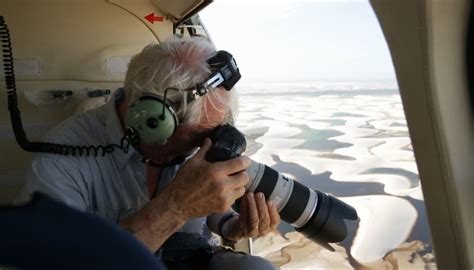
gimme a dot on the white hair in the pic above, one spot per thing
(181, 64)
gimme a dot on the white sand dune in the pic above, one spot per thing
(358, 139)
(385, 223)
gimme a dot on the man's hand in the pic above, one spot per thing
(201, 188)
(257, 217)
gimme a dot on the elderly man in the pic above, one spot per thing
(166, 195)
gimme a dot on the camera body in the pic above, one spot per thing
(315, 214)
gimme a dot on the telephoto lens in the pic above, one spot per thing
(317, 215)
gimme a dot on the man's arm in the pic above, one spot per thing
(199, 189)
(155, 222)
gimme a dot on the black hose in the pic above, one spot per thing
(15, 115)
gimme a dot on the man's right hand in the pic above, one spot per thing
(201, 188)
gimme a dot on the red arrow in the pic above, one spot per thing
(152, 18)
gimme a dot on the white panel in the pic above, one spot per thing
(117, 65)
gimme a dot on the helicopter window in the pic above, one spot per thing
(319, 101)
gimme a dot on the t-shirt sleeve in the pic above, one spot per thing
(58, 177)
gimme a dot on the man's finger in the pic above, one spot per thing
(252, 222)
(235, 165)
(238, 180)
(237, 193)
(274, 215)
(206, 145)
(263, 215)
(243, 215)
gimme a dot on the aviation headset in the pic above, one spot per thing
(151, 119)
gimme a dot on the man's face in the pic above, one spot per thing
(191, 135)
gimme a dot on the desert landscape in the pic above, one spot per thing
(350, 142)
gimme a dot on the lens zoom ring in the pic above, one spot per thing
(268, 182)
(296, 205)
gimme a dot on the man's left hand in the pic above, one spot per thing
(257, 217)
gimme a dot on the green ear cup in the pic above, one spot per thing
(146, 117)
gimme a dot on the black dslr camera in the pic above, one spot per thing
(317, 215)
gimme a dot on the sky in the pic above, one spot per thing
(295, 41)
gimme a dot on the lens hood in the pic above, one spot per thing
(328, 223)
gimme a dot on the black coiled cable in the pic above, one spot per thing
(17, 123)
